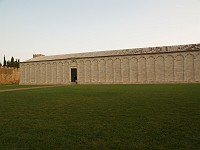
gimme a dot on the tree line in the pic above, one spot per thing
(10, 63)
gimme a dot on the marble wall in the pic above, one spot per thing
(180, 67)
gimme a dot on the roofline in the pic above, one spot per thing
(107, 56)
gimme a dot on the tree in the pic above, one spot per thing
(8, 63)
(0, 64)
(12, 62)
(18, 62)
(4, 61)
(15, 63)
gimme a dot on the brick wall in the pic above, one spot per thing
(9, 75)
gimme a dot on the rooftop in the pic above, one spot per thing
(135, 51)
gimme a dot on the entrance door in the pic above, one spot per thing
(73, 74)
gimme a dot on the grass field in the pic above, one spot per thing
(101, 117)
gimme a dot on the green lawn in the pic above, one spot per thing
(102, 117)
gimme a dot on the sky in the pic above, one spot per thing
(53, 27)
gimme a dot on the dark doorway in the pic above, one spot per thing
(73, 74)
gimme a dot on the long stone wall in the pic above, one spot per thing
(9, 75)
(171, 67)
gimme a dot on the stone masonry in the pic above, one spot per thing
(9, 75)
(167, 64)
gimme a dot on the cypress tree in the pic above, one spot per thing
(12, 62)
(8, 63)
(4, 61)
(18, 62)
(15, 63)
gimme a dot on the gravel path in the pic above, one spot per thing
(20, 89)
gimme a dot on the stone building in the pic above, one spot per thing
(167, 64)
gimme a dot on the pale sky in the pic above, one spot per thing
(54, 27)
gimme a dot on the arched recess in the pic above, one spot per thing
(150, 69)
(54, 69)
(102, 70)
(169, 68)
(49, 73)
(32, 73)
(197, 68)
(133, 69)
(95, 71)
(160, 69)
(43, 73)
(125, 70)
(66, 77)
(142, 75)
(179, 68)
(60, 72)
(27, 73)
(38, 73)
(109, 70)
(88, 71)
(117, 70)
(189, 68)
(22, 70)
(81, 72)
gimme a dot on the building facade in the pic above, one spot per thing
(167, 64)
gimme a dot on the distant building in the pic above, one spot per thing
(167, 64)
